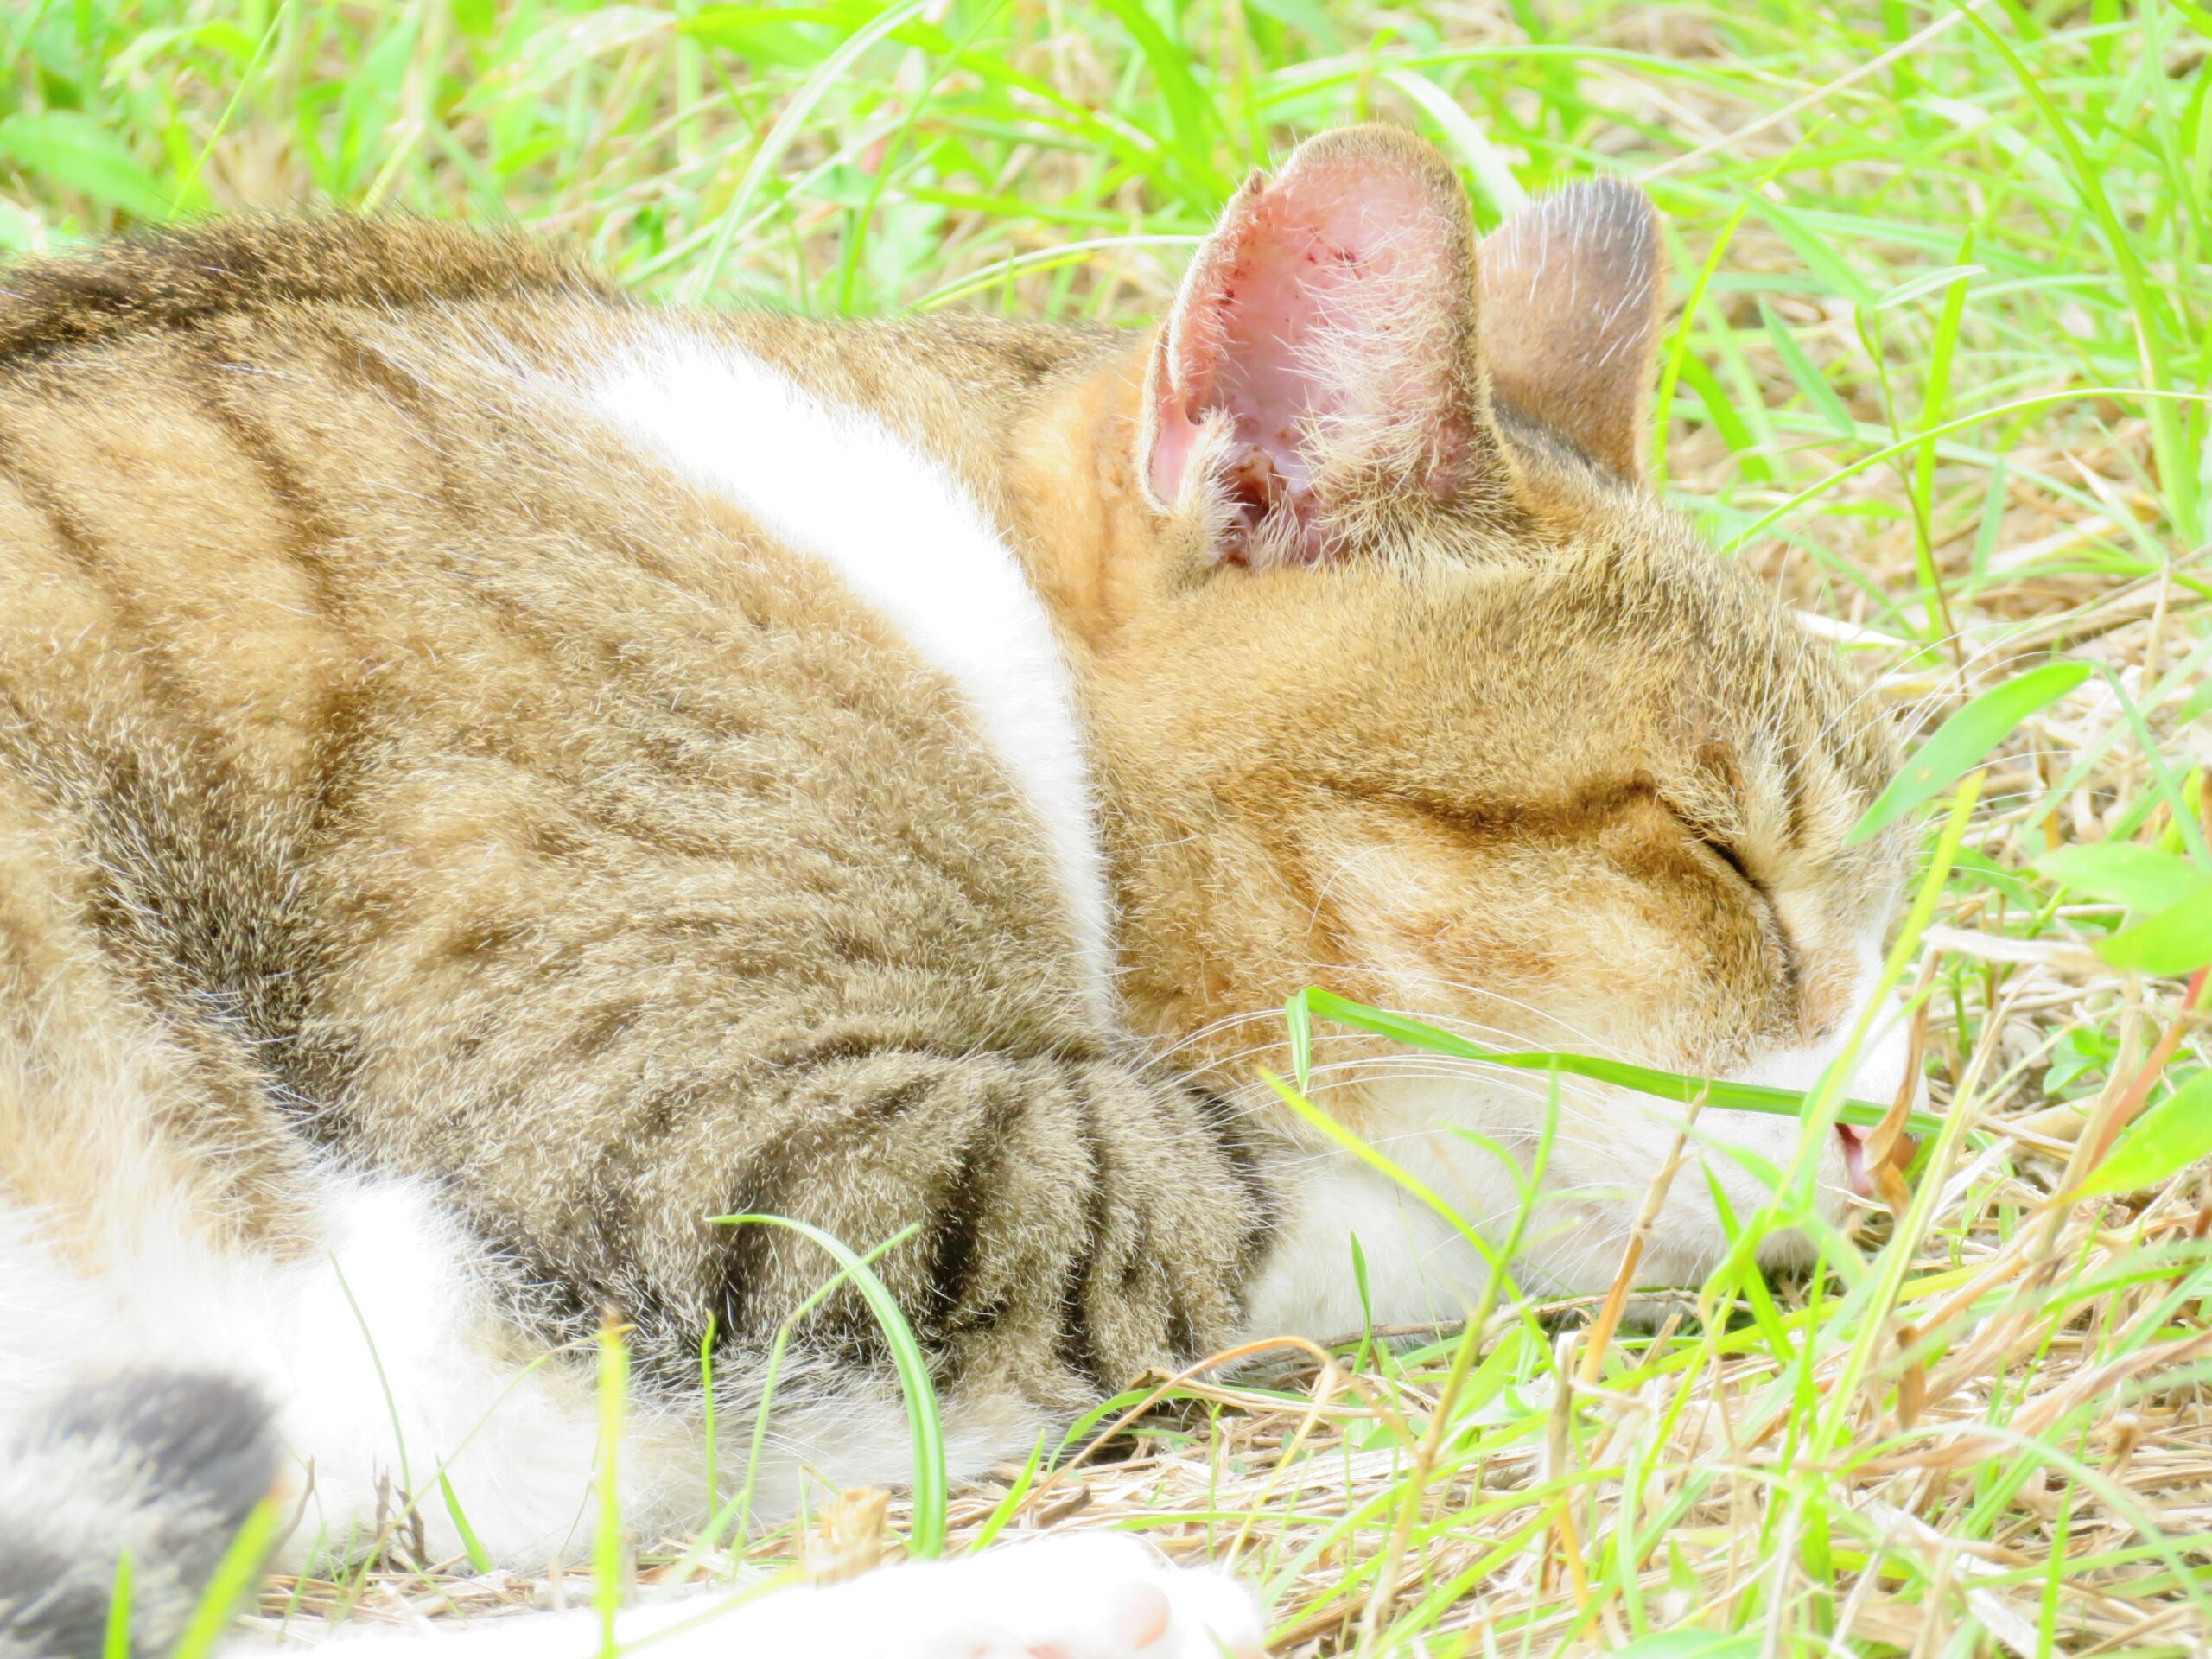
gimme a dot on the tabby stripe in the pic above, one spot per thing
(184, 278)
(769, 1187)
(165, 689)
(955, 1243)
(346, 716)
(309, 530)
(70, 536)
(1074, 1346)
(1223, 1123)
(354, 359)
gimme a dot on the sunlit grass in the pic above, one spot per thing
(1944, 320)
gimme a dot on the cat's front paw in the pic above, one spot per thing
(1077, 1596)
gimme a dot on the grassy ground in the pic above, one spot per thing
(1944, 314)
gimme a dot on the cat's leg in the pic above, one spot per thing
(107, 1445)
(194, 1314)
(1064, 1225)
(603, 1059)
(1074, 1596)
(401, 1398)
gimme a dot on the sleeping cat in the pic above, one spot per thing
(497, 777)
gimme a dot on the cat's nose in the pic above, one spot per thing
(1862, 1162)
(1853, 1141)
(1875, 1160)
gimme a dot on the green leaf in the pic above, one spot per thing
(785, 36)
(1819, 394)
(2175, 941)
(1380, 1162)
(1297, 1015)
(606, 1551)
(1927, 282)
(562, 47)
(1190, 111)
(1963, 739)
(926, 1542)
(2079, 1051)
(1010, 1504)
(1717, 1093)
(2160, 1144)
(22, 232)
(1985, 871)
(234, 1576)
(171, 46)
(479, 1560)
(790, 122)
(116, 1643)
(1302, 14)
(1820, 256)
(78, 153)
(2123, 872)
(2147, 294)
(1489, 165)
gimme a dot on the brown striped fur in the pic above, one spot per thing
(415, 780)
(390, 770)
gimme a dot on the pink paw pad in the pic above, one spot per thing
(1139, 1614)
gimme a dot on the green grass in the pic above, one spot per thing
(1944, 313)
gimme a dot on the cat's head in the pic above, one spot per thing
(1404, 684)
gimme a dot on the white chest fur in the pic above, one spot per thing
(909, 541)
(1420, 1269)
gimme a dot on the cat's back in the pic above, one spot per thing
(296, 426)
(270, 483)
(389, 597)
(240, 466)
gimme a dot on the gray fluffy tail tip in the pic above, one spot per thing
(164, 1464)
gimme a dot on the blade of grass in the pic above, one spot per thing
(479, 1559)
(738, 1510)
(788, 124)
(115, 1642)
(2177, 470)
(1963, 739)
(1934, 397)
(233, 1580)
(608, 1554)
(926, 1542)
(1717, 1094)
(1774, 516)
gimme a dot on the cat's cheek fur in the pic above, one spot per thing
(908, 540)
(1882, 1056)
(1687, 1238)
(1607, 1148)
(1417, 1267)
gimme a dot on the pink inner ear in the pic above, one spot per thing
(1310, 309)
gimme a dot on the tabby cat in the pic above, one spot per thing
(496, 778)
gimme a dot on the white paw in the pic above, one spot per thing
(1072, 1596)
(1075, 1596)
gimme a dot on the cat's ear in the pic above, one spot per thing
(1571, 289)
(1323, 351)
